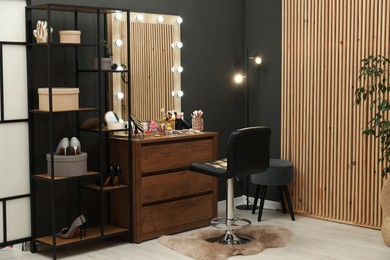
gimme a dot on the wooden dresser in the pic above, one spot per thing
(166, 197)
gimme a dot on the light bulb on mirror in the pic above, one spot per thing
(139, 18)
(119, 95)
(179, 20)
(118, 16)
(159, 19)
(118, 42)
(177, 93)
(178, 69)
(239, 78)
(177, 45)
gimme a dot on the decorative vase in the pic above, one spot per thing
(386, 212)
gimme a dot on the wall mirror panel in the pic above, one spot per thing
(155, 67)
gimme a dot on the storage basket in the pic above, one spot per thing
(69, 165)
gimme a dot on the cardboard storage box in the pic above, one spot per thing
(69, 165)
(70, 36)
(63, 99)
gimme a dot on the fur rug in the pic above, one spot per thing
(266, 236)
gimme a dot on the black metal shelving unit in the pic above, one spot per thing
(87, 182)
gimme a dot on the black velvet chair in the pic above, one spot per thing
(248, 153)
(280, 173)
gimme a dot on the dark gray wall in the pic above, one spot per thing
(264, 36)
(213, 36)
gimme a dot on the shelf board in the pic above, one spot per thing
(105, 188)
(104, 130)
(47, 177)
(62, 111)
(58, 44)
(112, 71)
(73, 8)
(91, 233)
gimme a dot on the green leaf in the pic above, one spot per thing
(375, 91)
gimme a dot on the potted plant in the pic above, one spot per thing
(375, 91)
(105, 62)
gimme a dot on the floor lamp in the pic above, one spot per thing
(239, 79)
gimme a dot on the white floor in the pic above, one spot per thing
(313, 239)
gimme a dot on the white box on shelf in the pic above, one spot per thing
(116, 125)
(63, 99)
(70, 36)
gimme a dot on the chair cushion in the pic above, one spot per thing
(279, 163)
(214, 168)
(280, 172)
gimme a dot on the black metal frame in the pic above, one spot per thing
(5, 239)
(2, 120)
(101, 134)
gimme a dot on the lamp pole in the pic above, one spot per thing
(246, 69)
(247, 85)
(247, 107)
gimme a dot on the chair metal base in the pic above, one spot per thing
(229, 224)
(246, 207)
(230, 239)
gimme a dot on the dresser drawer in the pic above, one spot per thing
(174, 155)
(174, 185)
(169, 215)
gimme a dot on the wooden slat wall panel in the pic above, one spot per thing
(151, 77)
(337, 174)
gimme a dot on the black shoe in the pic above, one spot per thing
(109, 179)
(116, 176)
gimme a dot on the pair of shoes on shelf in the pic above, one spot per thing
(64, 146)
(78, 224)
(112, 176)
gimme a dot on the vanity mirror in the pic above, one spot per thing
(155, 66)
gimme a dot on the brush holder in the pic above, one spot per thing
(197, 124)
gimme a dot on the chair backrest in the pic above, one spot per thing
(248, 151)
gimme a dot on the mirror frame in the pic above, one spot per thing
(117, 30)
